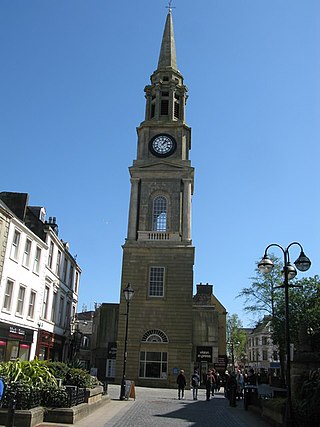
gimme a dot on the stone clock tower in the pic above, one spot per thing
(158, 255)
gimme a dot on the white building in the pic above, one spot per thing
(263, 354)
(39, 283)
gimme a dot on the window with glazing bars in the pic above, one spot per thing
(156, 282)
(160, 214)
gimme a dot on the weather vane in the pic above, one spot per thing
(170, 7)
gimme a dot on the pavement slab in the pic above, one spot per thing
(161, 407)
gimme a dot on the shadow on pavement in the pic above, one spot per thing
(215, 412)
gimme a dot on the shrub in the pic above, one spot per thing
(307, 405)
(79, 378)
(34, 383)
(35, 372)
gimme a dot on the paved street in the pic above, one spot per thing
(160, 408)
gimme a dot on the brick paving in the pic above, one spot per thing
(161, 407)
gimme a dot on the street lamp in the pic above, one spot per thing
(128, 294)
(303, 263)
(231, 345)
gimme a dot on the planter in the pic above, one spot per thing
(24, 417)
(273, 411)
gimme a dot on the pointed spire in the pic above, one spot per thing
(167, 57)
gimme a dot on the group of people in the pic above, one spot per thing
(211, 380)
(234, 384)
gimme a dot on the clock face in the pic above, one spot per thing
(162, 145)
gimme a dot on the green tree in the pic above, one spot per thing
(265, 296)
(236, 339)
(261, 297)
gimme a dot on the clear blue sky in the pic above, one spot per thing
(72, 74)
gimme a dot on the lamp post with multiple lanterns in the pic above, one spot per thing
(128, 294)
(303, 263)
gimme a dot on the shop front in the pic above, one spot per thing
(15, 342)
(45, 344)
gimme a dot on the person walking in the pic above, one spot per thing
(195, 383)
(209, 384)
(181, 381)
(232, 389)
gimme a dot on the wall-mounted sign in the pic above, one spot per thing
(112, 350)
(204, 354)
(16, 332)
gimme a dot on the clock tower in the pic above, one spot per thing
(158, 255)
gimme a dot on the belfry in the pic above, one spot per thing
(168, 328)
(158, 255)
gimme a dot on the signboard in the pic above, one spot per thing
(130, 390)
(112, 350)
(274, 365)
(221, 362)
(204, 354)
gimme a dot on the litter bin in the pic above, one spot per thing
(250, 395)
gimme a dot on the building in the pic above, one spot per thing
(158, 254)
(262, 354)
(39, 283)
(82, 338)
(209, 331)
(104, 341)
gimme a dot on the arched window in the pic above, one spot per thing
(159, 220)
(154, 335)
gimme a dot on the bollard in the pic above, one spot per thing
(11, 411)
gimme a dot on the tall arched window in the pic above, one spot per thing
(159, 219)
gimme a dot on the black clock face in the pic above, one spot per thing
(162, 145)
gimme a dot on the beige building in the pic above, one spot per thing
(158, 254)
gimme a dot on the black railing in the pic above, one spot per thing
(76, 395)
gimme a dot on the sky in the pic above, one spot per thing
(72, 75)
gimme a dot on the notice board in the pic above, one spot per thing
(130, 390)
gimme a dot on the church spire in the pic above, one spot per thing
(167, 57)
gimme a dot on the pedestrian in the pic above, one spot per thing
(209, 384)
(218, 382)
(226, 379)
(240, 384)
(214, 381)
(232, 389)
(195, 383)
(251, 378)
(181, 381)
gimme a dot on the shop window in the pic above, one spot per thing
(3, 345)
(12, 350)
(153, 364)
(24, 351)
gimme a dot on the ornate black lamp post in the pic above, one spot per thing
(231, 346)
(303, 263)
(128, 294)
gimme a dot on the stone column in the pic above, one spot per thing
(186, 215)
(133, 210)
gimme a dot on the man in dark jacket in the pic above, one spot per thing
(181, 381)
